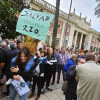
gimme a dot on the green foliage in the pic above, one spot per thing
(8, 19)
(97, 9)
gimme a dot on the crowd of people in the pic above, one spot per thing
(78, 69)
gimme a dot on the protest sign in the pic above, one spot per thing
(34, 23)
(20, 86)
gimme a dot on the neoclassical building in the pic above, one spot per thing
(79, 34)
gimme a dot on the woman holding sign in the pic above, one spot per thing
(21, 67)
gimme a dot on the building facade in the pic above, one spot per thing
(79, 34)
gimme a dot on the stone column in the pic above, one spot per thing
(75, 39)
(81, 41)
(50, 41)
(88, 39)
(61, 43)
(71, 36)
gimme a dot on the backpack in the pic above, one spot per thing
(65, 87)
(71, 73)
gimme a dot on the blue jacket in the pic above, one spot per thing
(26, 73)
(28, 66)
(69, 63)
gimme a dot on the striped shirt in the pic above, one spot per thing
(62, 59)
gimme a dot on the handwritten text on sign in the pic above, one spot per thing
(35, 24)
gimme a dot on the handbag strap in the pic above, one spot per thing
(36, 63)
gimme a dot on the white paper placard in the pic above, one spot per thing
(20, 86)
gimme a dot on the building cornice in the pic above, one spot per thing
(82, 28)
(79, 17)
(48, 7)
(93, 31)
(51, 9)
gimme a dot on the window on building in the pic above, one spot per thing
(59, 26)
(73, 45)
(97, 50)
(57, 41)
(91, 48)
(66, 43)
(47, 39)
(94, 48)
(77, 46)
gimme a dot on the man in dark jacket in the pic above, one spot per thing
(2, 60)
(54, 67)
(72, 81)
(2, 56)
(51, 60)
(10, 55)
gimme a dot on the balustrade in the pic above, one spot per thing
(50, 7)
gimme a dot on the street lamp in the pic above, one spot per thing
(26, 3)
(67, 24)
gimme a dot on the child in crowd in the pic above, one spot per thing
(38, 74)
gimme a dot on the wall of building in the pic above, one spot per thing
(78, 28)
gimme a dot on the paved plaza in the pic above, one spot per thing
(56, 94)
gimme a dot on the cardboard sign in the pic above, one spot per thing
(20, 86)
(34, 23)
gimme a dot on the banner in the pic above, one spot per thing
(20, 86)
(34, 23)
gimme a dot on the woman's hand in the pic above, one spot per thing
(17, 77)
(13, 69)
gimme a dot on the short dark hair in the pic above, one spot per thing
(12, 45)
(43, 52)
(18, 42)
(40, 49)
(90, 56)
(55, 49)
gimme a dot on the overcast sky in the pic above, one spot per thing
(86, 7)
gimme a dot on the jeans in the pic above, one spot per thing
(13, 93)
(70, 96)
(65, 74)
(59, 69)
